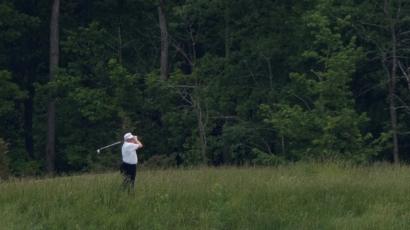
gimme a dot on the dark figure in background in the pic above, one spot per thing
(129, 160)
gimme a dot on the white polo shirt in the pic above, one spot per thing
(129, 152)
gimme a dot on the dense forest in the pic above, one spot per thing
(210, 82)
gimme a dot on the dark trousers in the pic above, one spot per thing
(129, 172)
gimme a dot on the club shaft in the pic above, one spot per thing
(116, 143)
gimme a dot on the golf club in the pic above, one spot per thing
(116, 143)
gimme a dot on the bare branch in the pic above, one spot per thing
(182, 86)
(184, 96)
(405, 32)
(226, 117)
(372, 88)
(250, 72)
(373, 25)
(184, 54)
(398, 10)
(404, 133)
(193, 44)
(316, 74)
(304, 102)
(405, 73)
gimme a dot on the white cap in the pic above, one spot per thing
(128, 136)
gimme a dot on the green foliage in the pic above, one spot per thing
(266, 159)
(161, 162)
(22, 167)
(10, 93)
(13, 24)
(10, 96)
(88, 92)
(250, 82)
(4, 161)
(323, 122)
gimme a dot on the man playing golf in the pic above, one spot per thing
(129, 159)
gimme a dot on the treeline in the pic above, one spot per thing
(203, 82)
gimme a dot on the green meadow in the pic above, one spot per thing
(300, 196)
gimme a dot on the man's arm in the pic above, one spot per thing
(138, 142)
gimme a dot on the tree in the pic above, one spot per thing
(392, 77)
(386, 30)
(218, 82)
(53, 67)
(164, 40)
(318, 117)
(4, 164)
(17, 39)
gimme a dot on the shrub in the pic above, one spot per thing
(161, 161)
(266, 159)
(4, 164)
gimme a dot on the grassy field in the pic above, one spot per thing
(290, 197)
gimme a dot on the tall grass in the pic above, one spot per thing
(289, 197)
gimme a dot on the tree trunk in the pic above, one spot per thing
(408, 78)
(392, 95)
(227, 32)
(164, 40)
(202, 123)
(392, 80)
(54, 59)
(120, 7)
(119, 44)
(282, 142)
(28, 122)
